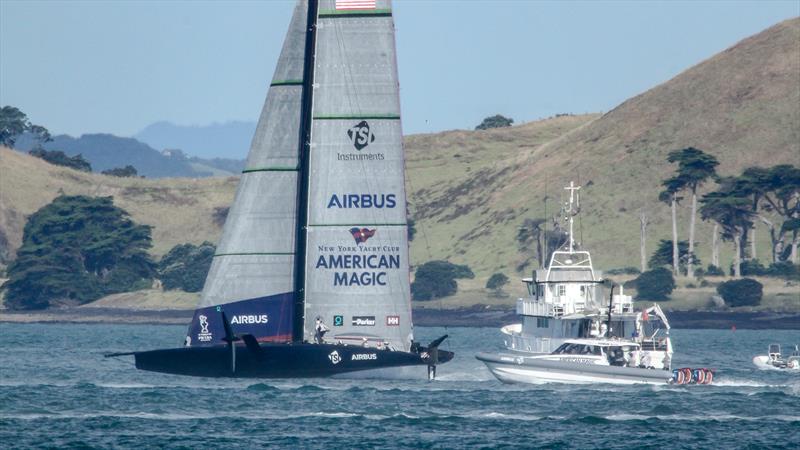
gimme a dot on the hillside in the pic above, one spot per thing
(742, 105)
(469, 191)
(180, 209)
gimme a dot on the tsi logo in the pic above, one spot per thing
(249, 319)
(363, 356)
(363, 321)
(393, 321)
(334, 357)
(360, 135)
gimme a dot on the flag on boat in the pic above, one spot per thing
(645, 316)
(355, 4)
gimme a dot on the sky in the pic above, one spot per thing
(115, 67)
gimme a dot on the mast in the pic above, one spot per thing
(572, 212)
(302, 176)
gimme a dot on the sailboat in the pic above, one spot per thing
(311, 275)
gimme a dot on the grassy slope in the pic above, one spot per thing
(742, 105)
(179, 209)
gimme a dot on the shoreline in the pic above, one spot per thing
(475, 316)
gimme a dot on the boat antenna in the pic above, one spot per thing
(610, 306)
(580, 218)
(574, 208)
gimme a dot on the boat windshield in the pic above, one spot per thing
(577, 349)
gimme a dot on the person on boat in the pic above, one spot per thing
(603, 330)
(319, 330)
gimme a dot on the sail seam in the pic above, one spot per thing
(359, 225)
(332, 13)
(271, 169)
(287, 83)
(357, 117)
(254, 254)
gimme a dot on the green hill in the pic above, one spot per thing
(469, 191)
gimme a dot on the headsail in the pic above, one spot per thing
(252, 275)
(357, 275)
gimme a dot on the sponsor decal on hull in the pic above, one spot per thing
(363, 357)
(338, 321)
(393, 321)
(335, 357)
(363, 321)
(204, 335)
(250, 319)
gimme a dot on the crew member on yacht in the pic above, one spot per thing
(319, 330)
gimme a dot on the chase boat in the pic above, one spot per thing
(569, 333)
(775, 360)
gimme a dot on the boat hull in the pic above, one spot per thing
(510, 368)
(278, 360)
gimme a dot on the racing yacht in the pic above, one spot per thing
(570, 333)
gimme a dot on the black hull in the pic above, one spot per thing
(278, 360)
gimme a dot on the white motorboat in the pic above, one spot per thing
(775, 360)
(569, 332)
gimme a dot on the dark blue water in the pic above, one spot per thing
(56, 390)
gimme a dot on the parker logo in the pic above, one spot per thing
(360, 135)
(363, 357)
(334, 357)
(393, 321)
(250, 319)
(361, 235)
(204, 335)
(338, 321)
(363, 321)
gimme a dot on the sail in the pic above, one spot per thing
(252, 274)
(357, 267)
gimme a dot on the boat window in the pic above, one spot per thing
(583, 291)
(541, 290)
(531, 289)
(562, 290)
(542, 322)
(561, 348)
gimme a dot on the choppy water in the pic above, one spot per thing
(56, 390)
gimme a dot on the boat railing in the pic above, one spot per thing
(533, 307)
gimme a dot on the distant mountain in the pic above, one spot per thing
(230, 140)
(106, 151)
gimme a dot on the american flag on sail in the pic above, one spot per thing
(355, 4)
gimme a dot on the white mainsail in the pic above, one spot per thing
(357, 274)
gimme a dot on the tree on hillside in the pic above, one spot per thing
(733, 214)
(531, 230)
(663, 254)
(60, 159)
(496, 121)
(695, 167)
(185, 266)
(75, 250)
(496, 282)
(775, 190)
(13, 122)
(123, 172)
(670, 196)
(436, 279)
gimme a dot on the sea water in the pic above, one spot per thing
(57, 390)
